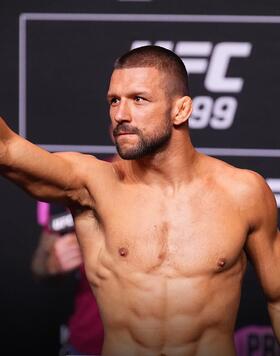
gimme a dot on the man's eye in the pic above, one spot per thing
(139, 99)
(114, 101)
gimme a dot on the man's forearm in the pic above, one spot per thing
(274, 313)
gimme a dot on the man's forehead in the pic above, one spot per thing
(136, 76)
(136, 71)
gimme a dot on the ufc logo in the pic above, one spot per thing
(205, 58)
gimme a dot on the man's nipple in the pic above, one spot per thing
(221, 263)
(123, 251)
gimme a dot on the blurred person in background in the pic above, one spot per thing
(58, 254)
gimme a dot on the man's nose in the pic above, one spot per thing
(122, 112)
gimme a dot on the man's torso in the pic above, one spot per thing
(166, 265)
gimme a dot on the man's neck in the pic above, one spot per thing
(172, 166)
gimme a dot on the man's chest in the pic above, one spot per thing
(178, 236)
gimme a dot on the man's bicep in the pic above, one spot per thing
(263, 242)
(44, 175)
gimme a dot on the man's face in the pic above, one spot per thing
(140, 111)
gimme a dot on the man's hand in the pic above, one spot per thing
(65, 255)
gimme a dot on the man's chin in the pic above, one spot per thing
(129, 154)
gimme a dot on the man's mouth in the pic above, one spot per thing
(125, 133)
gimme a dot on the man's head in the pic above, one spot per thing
(164, 60)
(148, 97)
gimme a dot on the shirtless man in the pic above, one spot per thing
(165, 230)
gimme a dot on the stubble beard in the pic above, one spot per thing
(146, 145)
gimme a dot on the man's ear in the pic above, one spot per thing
(183, 110)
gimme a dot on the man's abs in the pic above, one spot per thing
(212, 343)
(151, 314)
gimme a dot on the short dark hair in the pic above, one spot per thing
(162, 59)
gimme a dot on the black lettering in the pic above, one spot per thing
(268, 346)
(253, 344)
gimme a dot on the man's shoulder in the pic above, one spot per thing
(245, 186)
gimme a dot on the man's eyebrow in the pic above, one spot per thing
(111, 95)
(140, 92)
(131, 94)
(143, 93)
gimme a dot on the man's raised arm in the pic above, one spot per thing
(46, 176)
(263, 246)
